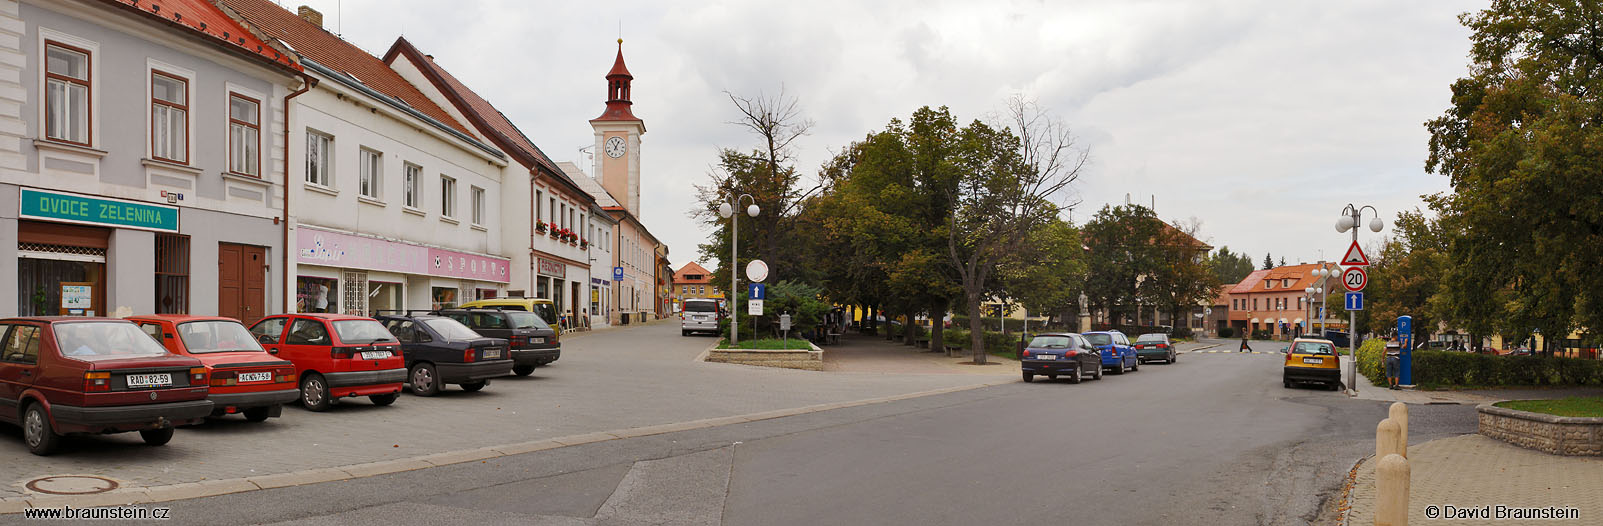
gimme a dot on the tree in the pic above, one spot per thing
(1135, 258)
(1229, 267)
(1522, 148)
(1268, 262)
(1048, 275)
(1406, 277)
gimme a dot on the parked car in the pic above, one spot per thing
(75, 375)
(1068, 354)
(544, 307)
(440, 350)
(1154, 346)
(1312, 360)
(701, 315)
(532, 341)
(244, 377)
(336, 356)
(1117, 354)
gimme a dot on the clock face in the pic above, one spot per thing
(615, 147)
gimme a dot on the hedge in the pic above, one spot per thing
(1464, 369)
(1227, 332)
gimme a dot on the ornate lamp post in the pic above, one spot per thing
(1351, 217)
(728, 211)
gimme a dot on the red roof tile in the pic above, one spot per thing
(205, 18)
(325, 48)
(1301, 277)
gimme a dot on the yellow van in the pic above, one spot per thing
(543, 307)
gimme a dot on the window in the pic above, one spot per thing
(372, 170)
(477, 197)
(319, 156)
(271, 327)
(244, 135)
(414, 185)
(447, 196)
(553, 211)
(172, 274)
(539, 206)
(169, 118)
(307, 332)
(67, 93)
(23, 344)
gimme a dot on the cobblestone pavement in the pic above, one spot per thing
(606, 380)
(1473, 471)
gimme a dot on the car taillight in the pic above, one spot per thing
(285, 375)
(341, 352)
(197, 376)
(1026, 353)
(1163, 346)
(1072, 354)
(224, 379)
(467, 356)
(93, 382)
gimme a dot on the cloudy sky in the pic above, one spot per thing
(1261, 119)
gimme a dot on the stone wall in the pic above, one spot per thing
(811, 360)
(1558, 435)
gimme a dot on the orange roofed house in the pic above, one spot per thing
(695, 281)
(1275, 300)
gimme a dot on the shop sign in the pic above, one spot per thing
(599, 281)
(77, 296)
(556, 269)
(462, 265)
(73, 208)
(334, 249)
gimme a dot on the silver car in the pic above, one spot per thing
(700, 315)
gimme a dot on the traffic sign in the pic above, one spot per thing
(757, 270)
(1355, 257)
(1354, 279)
(757, 291)
(754, 307)
(1355, 301)
(617, 273)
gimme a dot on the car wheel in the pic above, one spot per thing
(523, 370)
(1051, 378)
(1029, 378)
(684, 333)
(1335, 386)
(1173, 357)
(1075, 378)
(423, 380)
(37, 432)
(473, 387)
(1287, 382)
(257, 414)
(1135, 366)
(157, 437)
(1119, 369)
(314, 393)
(1097, 375)
(384, 399)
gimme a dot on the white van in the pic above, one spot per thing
(700, 315)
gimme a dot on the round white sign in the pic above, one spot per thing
(756, 270)
(1354, 279)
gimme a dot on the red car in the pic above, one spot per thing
(76, 375)
(244, 378)
(336, 356)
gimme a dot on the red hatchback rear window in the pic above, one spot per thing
(92, 341)
(216, 336)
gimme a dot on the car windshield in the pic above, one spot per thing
(451, 329)
(701, 306)
(525, 320)
(1314, 348)
(91, 341)
(216, 336)
(1099, 339)
(1051, 342)
(1150, 338)
(362, 331)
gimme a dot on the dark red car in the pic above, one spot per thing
(244, 377)
(336, 356)
(75, 375)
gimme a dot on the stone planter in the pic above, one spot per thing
(810, 360)
(1558, 435)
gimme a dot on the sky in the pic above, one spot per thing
(1261, 120)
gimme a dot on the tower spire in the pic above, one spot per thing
(618, 81)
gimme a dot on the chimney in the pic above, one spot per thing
(311, 15)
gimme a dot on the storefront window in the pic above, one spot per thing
(315, 294)
(542, 288)
(383, 296)
(49, 287)
(443, 298)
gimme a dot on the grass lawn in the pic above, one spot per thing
(1562, 407)
(770, 344)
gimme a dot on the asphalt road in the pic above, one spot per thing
(1214, 439)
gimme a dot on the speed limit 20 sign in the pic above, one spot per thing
(1354, 278)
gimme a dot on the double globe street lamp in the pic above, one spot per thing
(727, 211)
(1351, 217)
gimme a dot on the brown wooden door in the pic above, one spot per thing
(242, 282)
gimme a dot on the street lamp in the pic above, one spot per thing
(725, 210)
(1350, 218)
(1324, 274)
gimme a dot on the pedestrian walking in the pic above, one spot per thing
(1394, 361)
(1244, 346)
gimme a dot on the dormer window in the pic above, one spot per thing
(1268, 284)
(1285, 283)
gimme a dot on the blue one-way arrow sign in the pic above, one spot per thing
(1355, 301)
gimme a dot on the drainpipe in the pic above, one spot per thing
(306, 85)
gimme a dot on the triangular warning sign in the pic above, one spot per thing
(1355, 257)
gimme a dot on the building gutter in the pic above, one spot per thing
(307, 82)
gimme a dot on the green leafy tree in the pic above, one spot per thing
(1048, 275)
(1229, 267)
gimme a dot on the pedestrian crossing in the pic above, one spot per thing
(1225, 351)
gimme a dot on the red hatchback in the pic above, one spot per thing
(75, 375)
(336, 356)
(244, 378)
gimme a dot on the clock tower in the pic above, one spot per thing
(617, 148)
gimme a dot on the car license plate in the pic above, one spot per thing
(537, 340)
(1046, 357)
(255, 377)
(375, 355)
(492, 353)
(1315, 361)
(150, 380)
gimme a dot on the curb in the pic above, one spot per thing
(212, 488)
(1203, 348)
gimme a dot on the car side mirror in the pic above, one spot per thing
(1285, 350)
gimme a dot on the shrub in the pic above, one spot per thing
(1372, 361)
(1461, 369)
(1227, 332)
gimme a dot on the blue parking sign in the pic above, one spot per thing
(1355, 301)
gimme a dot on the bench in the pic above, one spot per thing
(832, 337)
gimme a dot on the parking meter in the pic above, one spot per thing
(1405, 354)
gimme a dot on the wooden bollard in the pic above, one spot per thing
(1386, 438)
(1391, 491)
(1399, 414)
